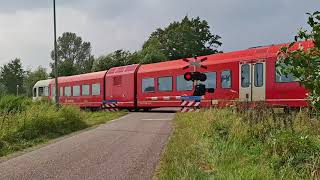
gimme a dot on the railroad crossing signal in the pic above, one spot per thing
(195, 76)
(195, 63)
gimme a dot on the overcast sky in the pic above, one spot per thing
(26, 27)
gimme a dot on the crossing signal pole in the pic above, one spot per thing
(55, 55)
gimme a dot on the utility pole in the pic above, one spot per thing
(55, 55)
(17, 89)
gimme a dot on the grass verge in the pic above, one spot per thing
(39, 122)
(221, 144)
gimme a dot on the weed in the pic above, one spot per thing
(24, 123)
(249, 144)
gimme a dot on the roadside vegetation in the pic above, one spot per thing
(304, 64)
(24, 123)
(256, 144)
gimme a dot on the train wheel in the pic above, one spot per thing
(130, 110)
(146, 109)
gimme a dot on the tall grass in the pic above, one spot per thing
(13, 103)
(24, 123)
(259, 144)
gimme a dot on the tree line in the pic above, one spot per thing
(16, 80)
(185, 38)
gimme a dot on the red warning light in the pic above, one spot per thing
(188, 76)
(195, 76)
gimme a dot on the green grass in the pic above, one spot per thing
(221, 144)
(23, 126)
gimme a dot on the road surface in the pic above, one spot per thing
(128, 148)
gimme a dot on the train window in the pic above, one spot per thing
(46, 91)
(165, 84)
(258, 75)
(96, 89)
(285, 78)
(61, 91)
(148, 85)
(281, 77)
(183, 85)
(67, 91)
(76, 90)
(117, 80)
(245, 75)
(85, 90)
(40, 91)
(53, 90)
(34, 92)
(211, 81)
(226, 79)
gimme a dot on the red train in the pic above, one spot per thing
(247, 75)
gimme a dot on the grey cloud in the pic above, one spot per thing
(9, 6)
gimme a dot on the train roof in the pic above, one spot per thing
(42, 83)
(81, 77)
(220, 58)
(122, 70)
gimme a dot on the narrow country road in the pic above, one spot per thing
(127, 148)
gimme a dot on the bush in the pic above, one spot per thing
(13, 103)
(288, 147)
(40, 121)
(37, 123)
(303, 63)
(254, 144)
(24, 123)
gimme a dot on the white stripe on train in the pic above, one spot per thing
(164, 98)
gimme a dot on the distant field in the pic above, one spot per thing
(221, 144)
(24, 123)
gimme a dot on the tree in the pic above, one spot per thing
(304, 63)
(31, 77)
(12, 75)
(3, 90)
(151, 53)
(188, 38)
(74, 55)
(102, 63)
(114, 59)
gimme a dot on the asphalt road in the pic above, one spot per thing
(128, 148)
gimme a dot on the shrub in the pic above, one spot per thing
(24, 123)
(304, 63)
(37, 123)
(14, 103)
(253, 144)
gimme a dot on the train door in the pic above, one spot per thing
(252, 81)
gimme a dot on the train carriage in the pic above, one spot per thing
(84, 90)
(120, 85)
(248, 76)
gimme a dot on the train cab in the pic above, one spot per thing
(41, 90)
